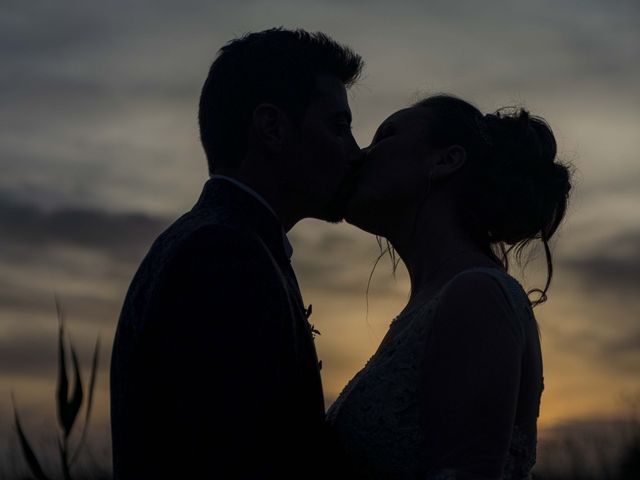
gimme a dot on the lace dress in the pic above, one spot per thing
(379, 416)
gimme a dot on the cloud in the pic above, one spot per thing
(596, 442)
(75, 72)
(613, 266)
(627, 343)
(28, 354)
(336, 258)
(122, 236)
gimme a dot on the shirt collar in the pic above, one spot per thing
(288, 248)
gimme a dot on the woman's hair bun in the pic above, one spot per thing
(526, 189)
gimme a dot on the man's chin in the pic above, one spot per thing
(335, 210)
(333, 213)
(354, 213)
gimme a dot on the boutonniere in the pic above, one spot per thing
(312, 329)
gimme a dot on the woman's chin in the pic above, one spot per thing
(359, 213)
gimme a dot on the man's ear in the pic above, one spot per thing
(450, 160)
(271, 127)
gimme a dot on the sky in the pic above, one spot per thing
(99, 152)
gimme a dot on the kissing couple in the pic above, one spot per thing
(214, 373)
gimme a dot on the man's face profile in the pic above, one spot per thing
(325, 151)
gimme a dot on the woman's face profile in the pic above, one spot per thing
(394, 176)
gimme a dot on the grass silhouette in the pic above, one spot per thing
(589, 456)
(68, 408)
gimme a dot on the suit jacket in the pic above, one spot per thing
(214, 372)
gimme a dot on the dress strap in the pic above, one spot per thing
(515, 294)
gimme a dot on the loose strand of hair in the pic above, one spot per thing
(543, 292)
(382, 254)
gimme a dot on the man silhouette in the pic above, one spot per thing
(214, 372)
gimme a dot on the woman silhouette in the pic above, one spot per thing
(454, 389)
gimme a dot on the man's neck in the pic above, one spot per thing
(270, 193)
(288, 248)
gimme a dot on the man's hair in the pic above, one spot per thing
(277, 66)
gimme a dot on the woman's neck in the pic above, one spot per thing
(436, 251)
